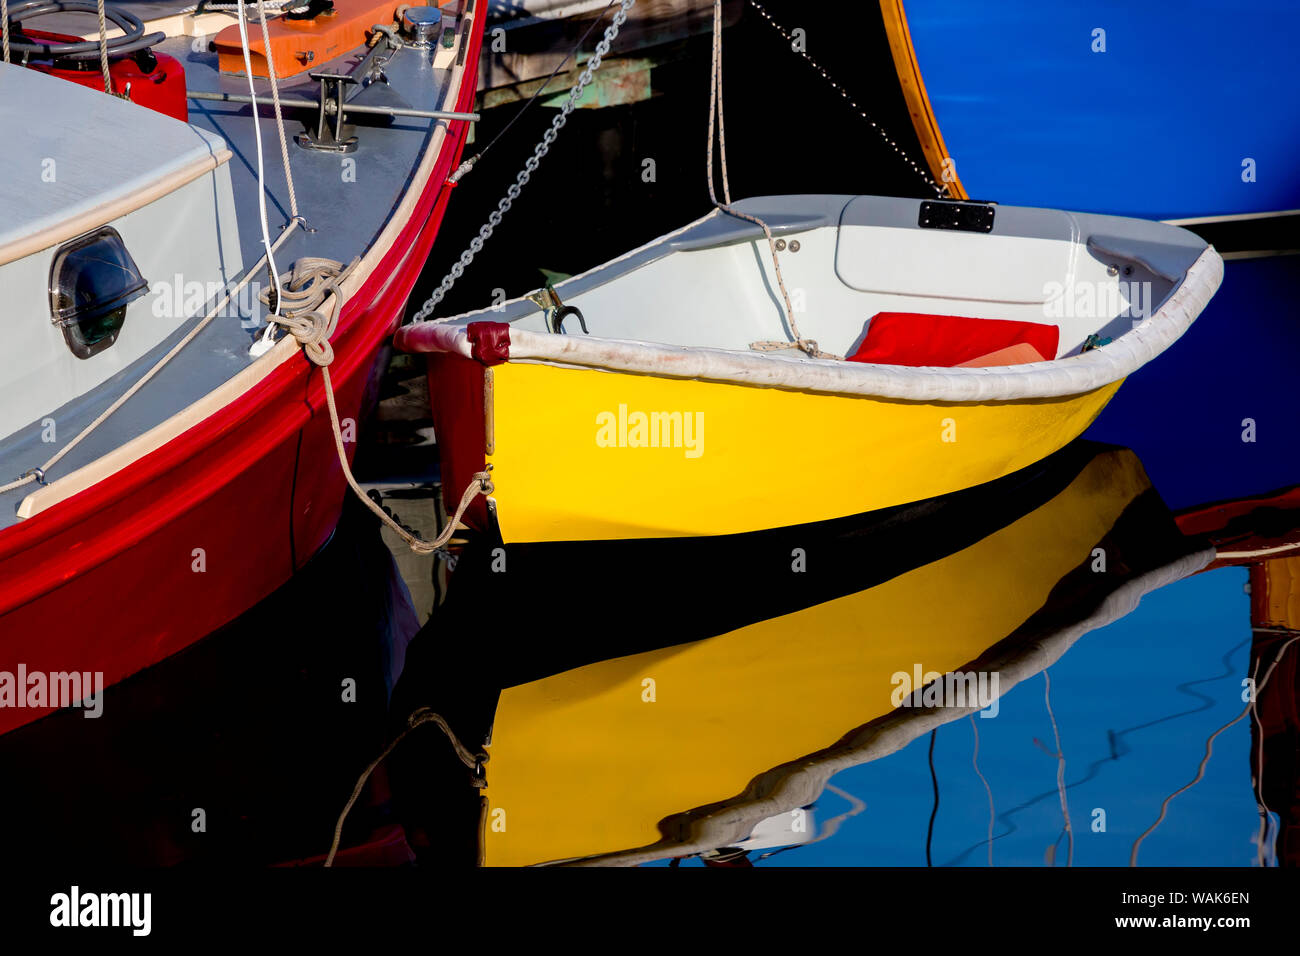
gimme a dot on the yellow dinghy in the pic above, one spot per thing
(719, 742)
(904, 349)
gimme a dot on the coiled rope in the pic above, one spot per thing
(311, 282)
(418, 718)
(808, 346)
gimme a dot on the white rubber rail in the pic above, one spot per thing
(1073, 375)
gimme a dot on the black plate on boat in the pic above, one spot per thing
(966, 216)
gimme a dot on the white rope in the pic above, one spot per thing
(4, 26)
(275, 97)
(530, 167)
(275, 5)
(715, 112)
(265, 342)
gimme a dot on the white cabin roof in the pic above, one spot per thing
(76, 158)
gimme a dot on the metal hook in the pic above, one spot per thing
(564, 313)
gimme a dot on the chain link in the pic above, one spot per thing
(530, 167)
(940, 191)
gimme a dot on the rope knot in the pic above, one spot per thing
(312, 330)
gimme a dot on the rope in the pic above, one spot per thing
(940, 191)
(275, 97)
(4, 27)
(264, 344)
(419, 717)
(716, 113)
(38, 474)
(530, 167)
(310, 283)
(103, 48)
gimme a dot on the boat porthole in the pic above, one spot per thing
(780, 245)
(92, 279)
(794, 245)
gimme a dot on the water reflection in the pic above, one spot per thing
(239, 750)
(730, 702)
(735, 702)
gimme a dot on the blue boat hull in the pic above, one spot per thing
(1189, 112)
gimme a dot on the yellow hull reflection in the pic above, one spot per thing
(584, 763)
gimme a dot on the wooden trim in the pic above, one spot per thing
(177, 25)
(285, 348)
(489, 416)
(115, 209)
(918, 101)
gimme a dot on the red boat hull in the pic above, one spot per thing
(183, 540)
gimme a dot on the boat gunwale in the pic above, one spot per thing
(1062, 377)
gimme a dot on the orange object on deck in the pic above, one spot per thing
(301, 45)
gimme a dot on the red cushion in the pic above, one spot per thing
(916, 338)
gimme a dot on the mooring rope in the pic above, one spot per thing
(418, 718)
(4, 27)
(311, 282)
(808, 346)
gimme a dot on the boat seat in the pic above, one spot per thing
(949, 341)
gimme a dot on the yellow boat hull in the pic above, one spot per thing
(588, 455)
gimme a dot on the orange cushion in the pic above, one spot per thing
(1022, 353)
